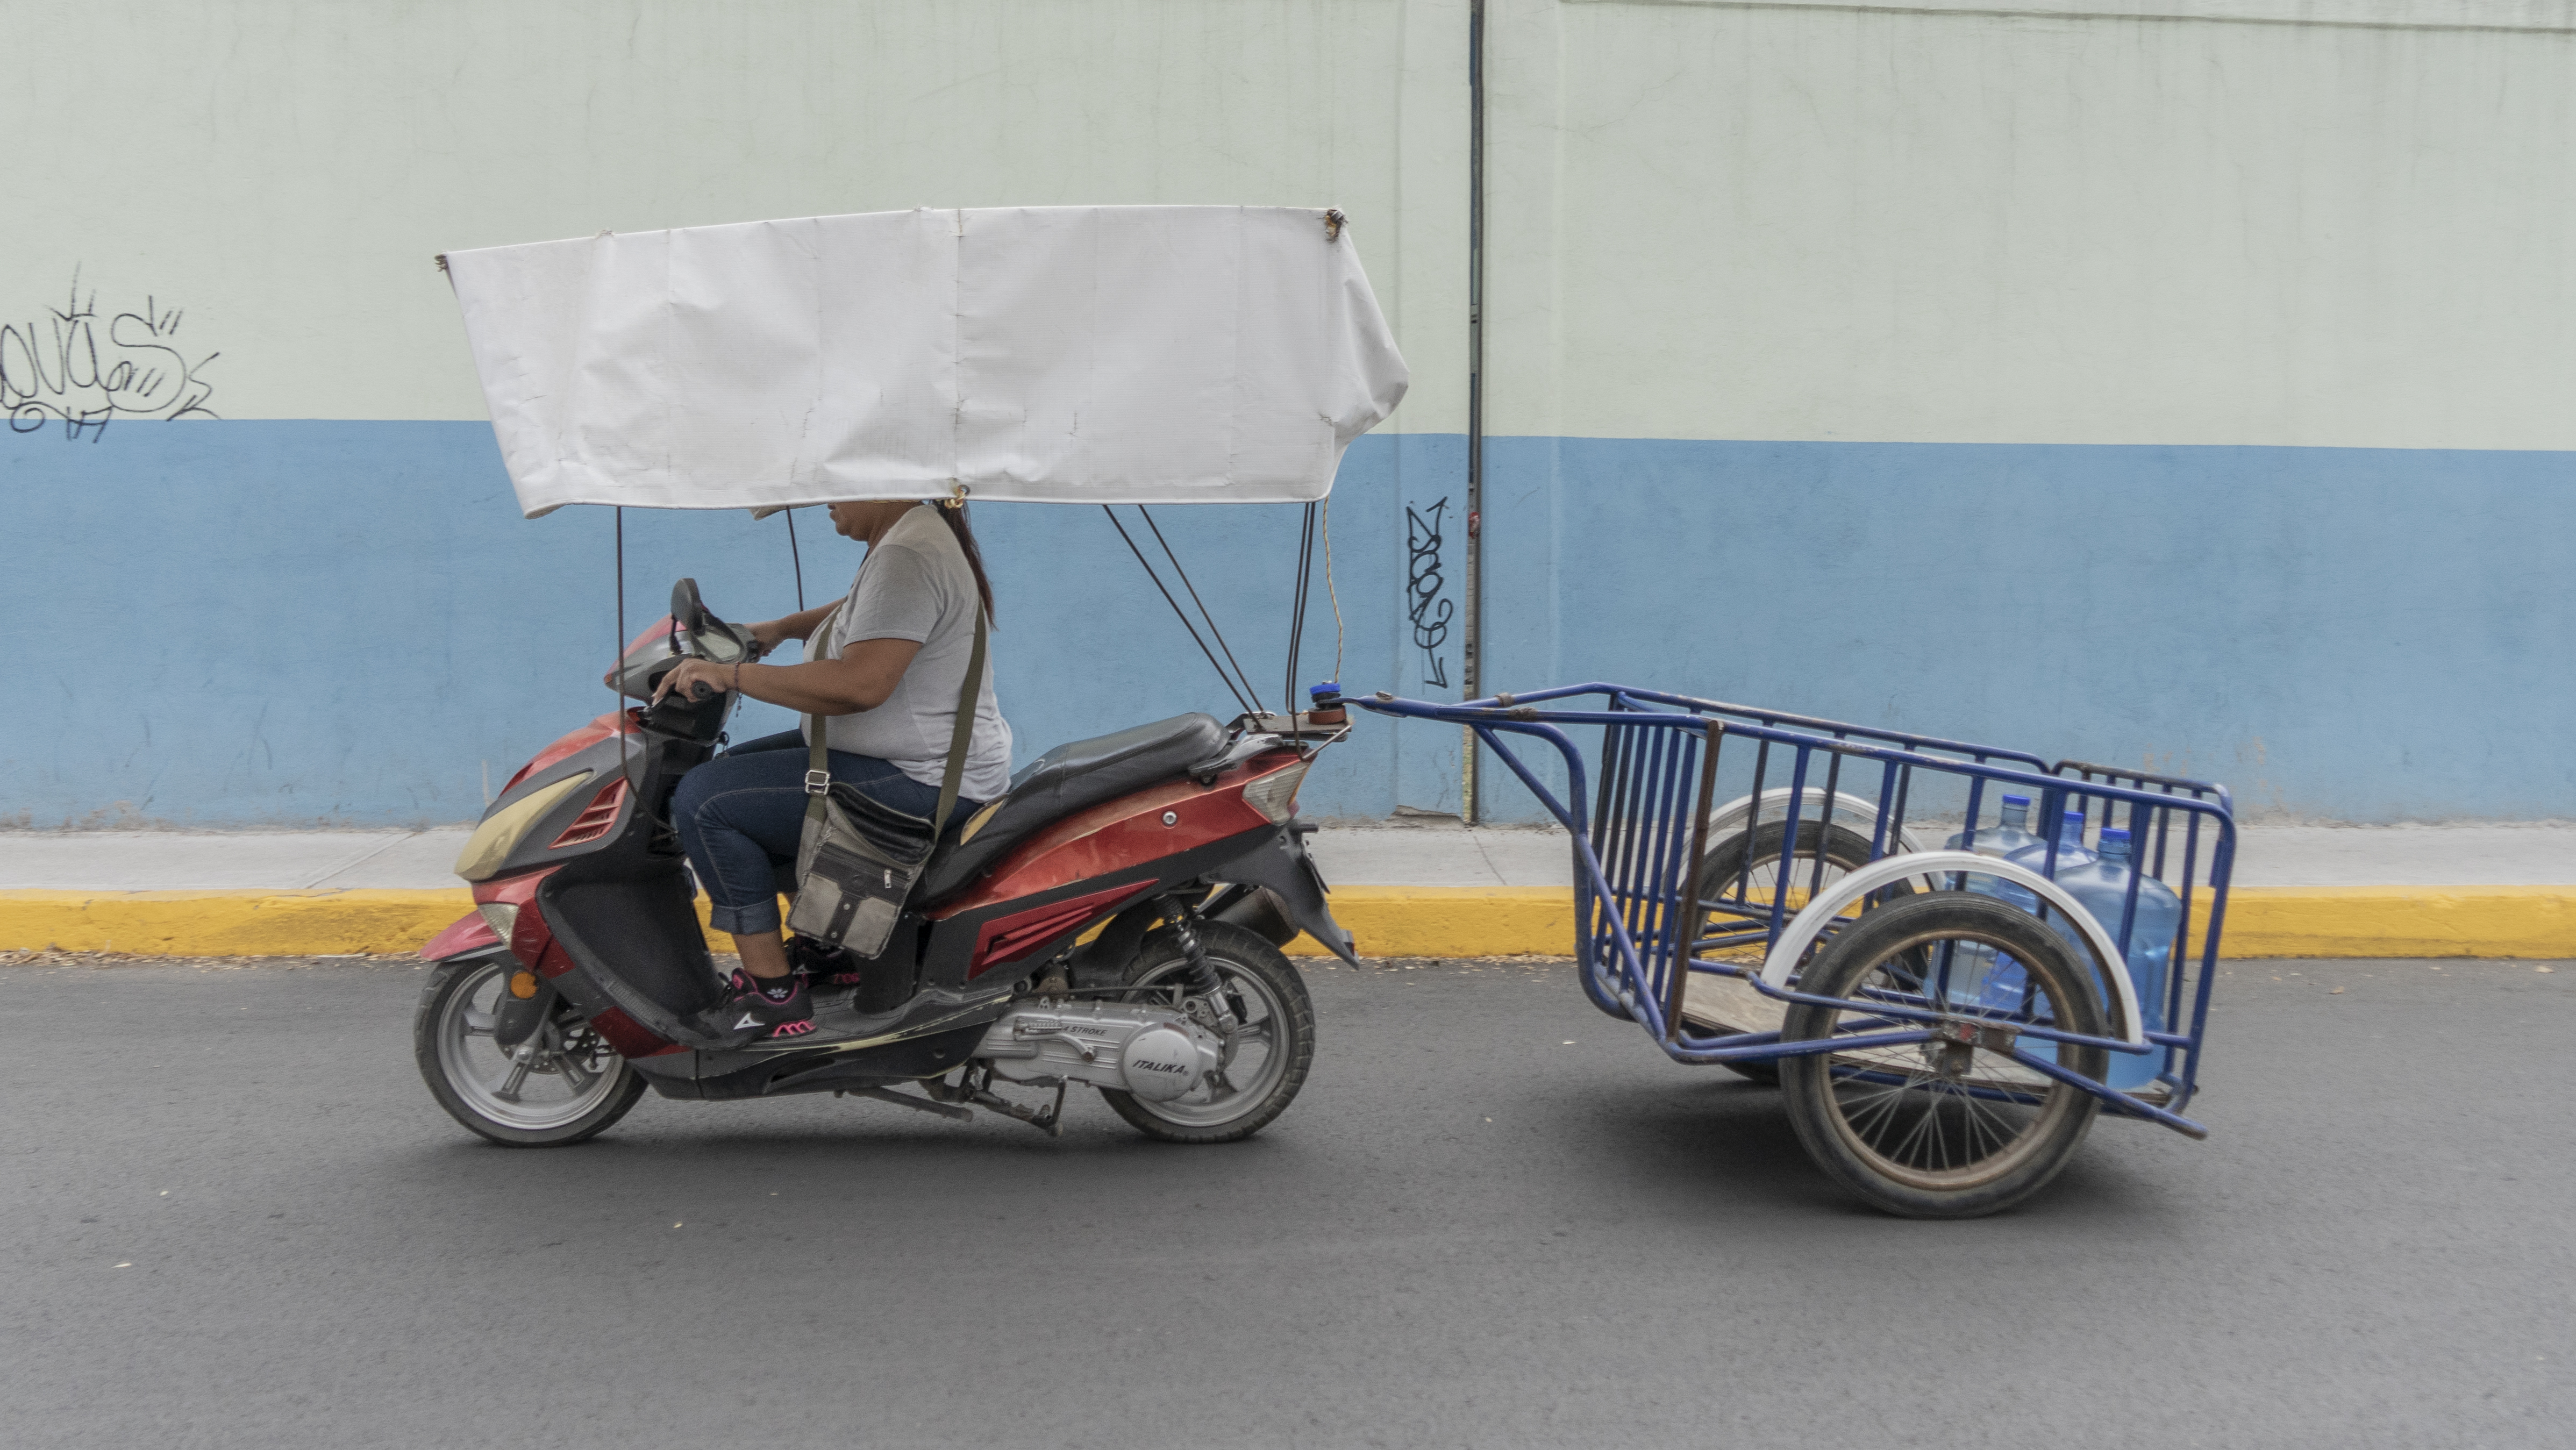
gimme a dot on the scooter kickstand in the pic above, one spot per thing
(1048, 1120)
(889, 1095)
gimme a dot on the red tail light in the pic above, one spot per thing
(598, 820)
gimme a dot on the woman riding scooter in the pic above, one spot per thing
(885, 675)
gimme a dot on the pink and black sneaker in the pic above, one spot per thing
(763, 1010)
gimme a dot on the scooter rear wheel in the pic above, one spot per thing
(562, 1086)
(1265, 1063)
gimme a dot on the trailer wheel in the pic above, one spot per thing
(1940, 1130)
(1747, 866)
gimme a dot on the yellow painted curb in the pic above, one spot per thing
(227, 923)
(2262, 921)
(1451, 921)
(1388, 921)
(2400, 921)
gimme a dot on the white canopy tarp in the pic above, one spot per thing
(1135, 354)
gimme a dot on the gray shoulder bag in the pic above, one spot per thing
(858, 857)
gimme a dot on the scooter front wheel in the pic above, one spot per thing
(1265, 1059)
(560, 1086)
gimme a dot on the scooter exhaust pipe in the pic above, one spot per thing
(1263, 912)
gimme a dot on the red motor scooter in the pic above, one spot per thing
(578, 979)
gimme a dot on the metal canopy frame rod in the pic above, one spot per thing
(796, 557)
(1214, 633)
(1297, 614)
(1182, 614)
(1472, 632)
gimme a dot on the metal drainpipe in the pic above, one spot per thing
(1471, 671)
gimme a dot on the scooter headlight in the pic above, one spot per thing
(1275, 794)
(499, 835)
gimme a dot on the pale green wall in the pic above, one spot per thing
(1769, 221)
(1847, 223)
(285, 171)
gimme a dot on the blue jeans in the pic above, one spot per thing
(740, 814)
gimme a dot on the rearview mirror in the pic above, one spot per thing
(701, 633)
(686, 607)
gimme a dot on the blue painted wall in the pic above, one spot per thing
(2355, 634)
(280, 623)
(295, 622)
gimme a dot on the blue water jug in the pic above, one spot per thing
(2101, 886)
(1978, 976)
(1994, 982)
(2070, 852)
(2033, 853)
(2000, 840)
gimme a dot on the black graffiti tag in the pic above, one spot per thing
(1422, 585)
(73, 368)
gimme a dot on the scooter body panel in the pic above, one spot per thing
(571, 742)
(1001, 940)
(464, 936)
(928, 1052)
(1165, 819)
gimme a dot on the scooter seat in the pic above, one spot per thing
(1069, 778)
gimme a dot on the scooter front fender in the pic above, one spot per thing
(1282, 866)
(468, 933)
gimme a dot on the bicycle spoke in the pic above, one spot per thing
(1987, 1124)
(1928, 1116)
(1875, 1108)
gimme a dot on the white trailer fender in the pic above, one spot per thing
(1811, 921)
(1775, 805)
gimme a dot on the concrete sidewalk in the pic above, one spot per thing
(1440, 854)
(1351, 856)
(1436, 889)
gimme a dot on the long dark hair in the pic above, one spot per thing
(954, 515)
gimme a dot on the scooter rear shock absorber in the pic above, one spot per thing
(1201, 976)
(1195, 970)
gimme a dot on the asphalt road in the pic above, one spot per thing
(1495, 1218)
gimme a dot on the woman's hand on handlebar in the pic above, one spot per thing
(688, 674)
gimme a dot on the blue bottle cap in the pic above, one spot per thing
(2114, 843)
(2022, 801)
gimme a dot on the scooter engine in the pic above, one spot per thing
(1153, 1052)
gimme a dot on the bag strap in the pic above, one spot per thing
(818, 760)
(818, 751)
(969, 695)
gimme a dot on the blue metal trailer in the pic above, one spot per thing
(1945, 1024)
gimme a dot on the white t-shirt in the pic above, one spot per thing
(915, 584)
